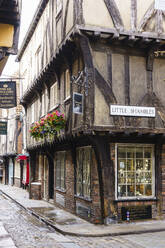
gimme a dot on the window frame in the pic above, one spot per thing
(116, 172)
(88, 197)
(44, 102)
(57, 157)
(55, 94)
(67, 85)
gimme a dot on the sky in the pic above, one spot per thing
(28, 9)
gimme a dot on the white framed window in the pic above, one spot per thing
(38, 61)
(67, 84)
(135, 171)
(54, 95)
(36, 110)
(44, 102)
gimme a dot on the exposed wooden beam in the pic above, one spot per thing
(150, 12)
(133, 15)
(115, 14)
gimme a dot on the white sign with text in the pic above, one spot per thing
(160, 4)
(132, 111)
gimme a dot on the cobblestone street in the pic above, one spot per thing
(28, 232)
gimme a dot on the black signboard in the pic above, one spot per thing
(7, 94)
(3, 128)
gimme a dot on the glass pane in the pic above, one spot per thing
(140, 190)
(130, 152)
(147, 164)
(147, 152)
(121, 178)
(130, 178)
(139, 164)
(121, 152)
(86, 172)
(122, 164)
(122, 190)
(130, 165)
(79, 172)
(139, 152)
(148, 177)
(130, 190)
(148, 190)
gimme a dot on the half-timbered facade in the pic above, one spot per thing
(101, 63)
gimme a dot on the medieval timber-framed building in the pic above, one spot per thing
(110, 158)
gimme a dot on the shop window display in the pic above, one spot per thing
(135, 171)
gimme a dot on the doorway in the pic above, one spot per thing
(51, 179)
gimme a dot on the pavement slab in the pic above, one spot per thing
(69, 224)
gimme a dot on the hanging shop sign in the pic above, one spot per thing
(7, 94)
(3, 128)
(132, 111)
(77, 103)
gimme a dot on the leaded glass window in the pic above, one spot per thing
(83, 180)
(60, 170)
(135, 171)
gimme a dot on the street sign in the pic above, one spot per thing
(3, 128)
(132, 111)
(7, 94)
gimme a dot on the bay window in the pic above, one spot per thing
(135, 171)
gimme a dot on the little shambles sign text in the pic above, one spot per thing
(7, 94)
(132, 111)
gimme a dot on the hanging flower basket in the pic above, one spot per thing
(50, 125)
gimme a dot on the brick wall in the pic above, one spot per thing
(69, 197)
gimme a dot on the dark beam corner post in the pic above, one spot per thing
(104, 165)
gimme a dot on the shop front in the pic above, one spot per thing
(136, 194)
(23, 162)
